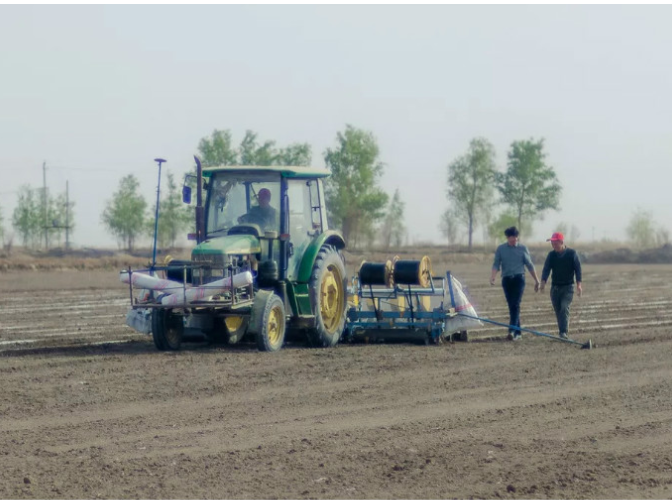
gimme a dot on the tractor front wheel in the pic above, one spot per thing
(267, 323)
(228, 330)
(235, 328)
(328, 297)
(167, 329)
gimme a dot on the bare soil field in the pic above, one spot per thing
(89, 409)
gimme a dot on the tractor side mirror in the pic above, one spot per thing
(186, 194)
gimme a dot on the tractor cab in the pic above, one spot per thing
(270, 214)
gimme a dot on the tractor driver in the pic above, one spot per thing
(263, 214)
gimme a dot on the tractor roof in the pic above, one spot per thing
(285, 171)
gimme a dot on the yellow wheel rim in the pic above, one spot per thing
(233, 323)
(425, 272)
(332, 298)
(275, 325)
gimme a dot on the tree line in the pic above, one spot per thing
(355, 202)
(37, 215)
(477, 194)
(526, 190)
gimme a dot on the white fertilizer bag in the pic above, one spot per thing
(461, 305)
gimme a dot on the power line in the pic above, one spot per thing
(66, 168)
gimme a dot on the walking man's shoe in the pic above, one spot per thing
(510, 336)
(517, 337)
(564, 335)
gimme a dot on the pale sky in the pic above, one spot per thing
(98, 92)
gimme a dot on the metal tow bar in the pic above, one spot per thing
(588, 345)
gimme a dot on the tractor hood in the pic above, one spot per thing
(240, 244)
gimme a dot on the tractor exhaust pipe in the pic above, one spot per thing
(159, 161)
(200, 215)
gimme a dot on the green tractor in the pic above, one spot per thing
(265, 264)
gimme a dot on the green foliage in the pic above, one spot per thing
(393, 229)
(641, 229)
(218, 150)
(295, 155)
(59, 217)
(506, 220)
(449, 225)
(470, 179)
(354, 201)
(174, 215)
(529, 186)
(124, 215)
(251, 153)
(28, 216)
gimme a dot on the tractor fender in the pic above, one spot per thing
(330, 237)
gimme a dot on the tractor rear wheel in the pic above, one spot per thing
(267, 323)
(328, 297)
(167, 329)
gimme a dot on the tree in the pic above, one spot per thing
(529, 186)
(449, 225)
(124, 215)
(504, 221)
(217, 150)
(470, 179)
(174, 216)
(393, 229)
(354, 201)
(641, 229)
(251, 153)
(26, 218)
(60, 215)
(662, 236)
(295, 155)
(31, 221)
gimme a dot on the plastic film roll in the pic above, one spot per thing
(376, 273)
(413, 272)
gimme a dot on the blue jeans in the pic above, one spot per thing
(514, 286)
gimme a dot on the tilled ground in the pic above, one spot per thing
(89, 409)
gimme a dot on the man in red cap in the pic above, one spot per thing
(565, 264)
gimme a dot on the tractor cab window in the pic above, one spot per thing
(236, 198)
(304, 222)
(315, 206)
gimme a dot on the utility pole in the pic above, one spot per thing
(44, 205)
(58, 225)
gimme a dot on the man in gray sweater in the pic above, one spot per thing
(565, 264)
(513, 258)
